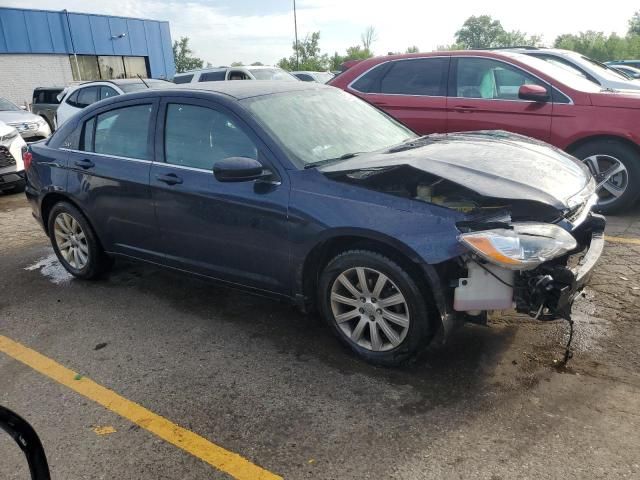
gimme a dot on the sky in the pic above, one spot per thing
(224, 31)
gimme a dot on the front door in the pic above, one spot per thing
(484, 96)
(109, 175)
(235, 232)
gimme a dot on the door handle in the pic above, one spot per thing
(464, 109)
(86, 164)
(169, 178)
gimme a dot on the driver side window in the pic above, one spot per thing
(491, 79)
(197, 137)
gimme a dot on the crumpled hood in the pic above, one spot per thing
(495, 164)
(7, 116)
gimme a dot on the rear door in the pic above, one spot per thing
(412, 90)
(109, 176)
(484, 96)
(235, 232)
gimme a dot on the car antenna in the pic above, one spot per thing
(142, 80)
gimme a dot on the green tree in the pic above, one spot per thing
(182, 56)
(357, 52)
(485, 32)
(517, 38)
(634, 24)
(599, 46)
(412, 49)
(308, 56)
(257, 64)
(336, 62)
(237, 64)
(480, 32)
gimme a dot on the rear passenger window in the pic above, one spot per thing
(212, 76)
(198, 137)
(183, 79)
(370, 81)
(107, 92)
(422, 76)
(87, 96)
(123, 132)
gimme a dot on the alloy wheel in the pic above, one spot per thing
(612, 177)
(71, 241)
(370, 309)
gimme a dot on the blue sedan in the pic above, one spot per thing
(304, 192)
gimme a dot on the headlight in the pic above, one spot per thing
(9, 136)
(524, 247)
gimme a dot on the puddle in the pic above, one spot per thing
(52, 269)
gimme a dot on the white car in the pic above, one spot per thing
(319, 77)
(597, 72)
(78, 96)
(257, 72)
(11, 165)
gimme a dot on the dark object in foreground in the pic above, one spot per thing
(27, 439)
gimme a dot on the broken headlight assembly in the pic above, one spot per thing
(524, 246)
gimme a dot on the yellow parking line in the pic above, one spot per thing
(632, 241)
(216, 456)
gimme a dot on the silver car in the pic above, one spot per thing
(31, 127)
(597, 72)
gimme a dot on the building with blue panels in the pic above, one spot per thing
(40, 48)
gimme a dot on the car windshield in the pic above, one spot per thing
(6, 105)
(562, 75)
(136, 87)
(604, 70)
(319, 125)
(271, 74)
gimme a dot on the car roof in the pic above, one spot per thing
(220, 69)
(120, 81)
(245, 89)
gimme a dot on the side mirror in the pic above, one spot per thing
(239, 169)
(23, 107)
(536, 93)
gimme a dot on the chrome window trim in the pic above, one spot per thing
(350, 85)
(106, 155)
(184, 167)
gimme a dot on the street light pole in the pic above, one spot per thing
(295, 26)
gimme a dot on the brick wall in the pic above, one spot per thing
(20, 74)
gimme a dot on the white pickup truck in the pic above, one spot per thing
(11, 166)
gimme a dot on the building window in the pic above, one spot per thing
(111, 67)
(103, 67)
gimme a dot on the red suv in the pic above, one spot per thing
(488, 90)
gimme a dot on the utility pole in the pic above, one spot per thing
(295, 26)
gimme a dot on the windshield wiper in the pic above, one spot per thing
(327, 161)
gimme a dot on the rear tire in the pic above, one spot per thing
(387, 322)
(75, 243)
(621, 190)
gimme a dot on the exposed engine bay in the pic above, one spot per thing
(409, 182)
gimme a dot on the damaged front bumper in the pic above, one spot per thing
(548, 292)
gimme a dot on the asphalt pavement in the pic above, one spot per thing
(257, 378)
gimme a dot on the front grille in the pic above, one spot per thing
(6, 159)
(25, 126)
(574, 213)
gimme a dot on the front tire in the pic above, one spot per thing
(616, 168)
(375, 307)
(75, 243)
